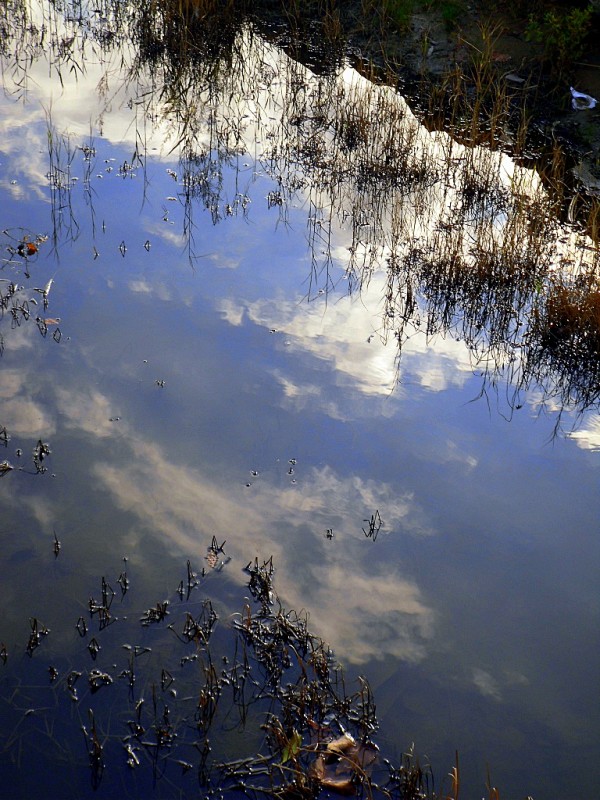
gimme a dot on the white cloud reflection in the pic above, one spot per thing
(87, 411)
(158, 289)
(588, 437)
(495, 687)
(486, 684)
(255, 98)
(340, 334)
(24, 416)
(344, 334)
(363, 608)
(21, 414)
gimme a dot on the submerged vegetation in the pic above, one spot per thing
(263, 686)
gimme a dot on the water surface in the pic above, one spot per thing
(219, 359)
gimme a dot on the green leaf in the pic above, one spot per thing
(292, 747)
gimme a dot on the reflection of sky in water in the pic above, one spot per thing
(475, 613)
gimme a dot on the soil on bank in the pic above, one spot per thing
(426, 45)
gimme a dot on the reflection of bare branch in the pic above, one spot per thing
(471, 244)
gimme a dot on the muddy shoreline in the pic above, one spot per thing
(421, 56)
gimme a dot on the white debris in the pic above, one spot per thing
(582, 101)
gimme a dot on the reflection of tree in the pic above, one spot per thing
(470, 242)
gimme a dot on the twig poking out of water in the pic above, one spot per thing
(213, 553)
(123, 582)
(156, 614)
(72, 679)
(129, 673)
(95, 751)
(97, 679)
(277, 680)
(375, 524)
(410, 780)
(192, 581)
(198, 629)
(261, 581)
(102, 608)
(37, 631)
(40, 452)
(94, 648)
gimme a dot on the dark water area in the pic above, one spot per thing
(233, 330)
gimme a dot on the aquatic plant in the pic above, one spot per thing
(274, 676)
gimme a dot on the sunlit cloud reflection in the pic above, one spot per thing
(486, 684)
(365, 609)
(588, 437)
(345, 334)
(21, 414)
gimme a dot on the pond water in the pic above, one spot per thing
(227, 341)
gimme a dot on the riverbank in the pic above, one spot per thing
(432, 48)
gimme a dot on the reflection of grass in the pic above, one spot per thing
(564, 339)
(476, 88)
(571, 322)
(362, 145)
(358, 154)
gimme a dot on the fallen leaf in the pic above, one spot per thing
(343, 764)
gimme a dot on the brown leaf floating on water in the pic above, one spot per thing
(343, 764)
